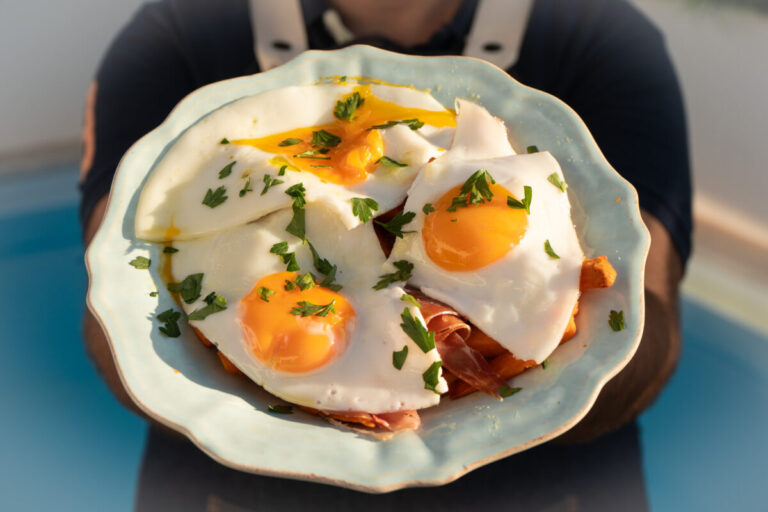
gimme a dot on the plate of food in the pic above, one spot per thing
(368, 269)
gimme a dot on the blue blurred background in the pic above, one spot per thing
(66, 444)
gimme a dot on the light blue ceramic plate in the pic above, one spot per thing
(180, 383)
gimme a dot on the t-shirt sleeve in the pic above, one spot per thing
(142, 76)
(610, 64)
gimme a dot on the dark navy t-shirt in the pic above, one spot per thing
(601, 57)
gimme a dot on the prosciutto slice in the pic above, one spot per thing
(390, 421)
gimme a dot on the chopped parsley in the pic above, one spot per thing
(281, 172)
(289, 258)
(525, 204)
(476, 190)
(398, 357)
(269, 182)
(189, 288)
(395, 226)
(297, 225)
(556, 181)
(324, 267)
(506, 391)
(406, 297)
(224, 141)
(153, 294)
(170, 319)
(345, 109)
(325, 139)
(403, 273)
(363, 208)
(170, 250)
(413, 124)
(428, 208)
(265, 293)
(280, 409)
(417, 331)
(227, 170)
(616, 320)
(289, 285)
(385, 160)
(140, 262)
(291, 141)
(544, 364)
(247, 187)
(432, 377)
(548, 249)
(531, 149)
(304, 308)
(312, 153)
(214, 304)
(305, 281)
(213, 198)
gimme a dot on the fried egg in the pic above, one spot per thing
(339, 140)
(513, 273)
(339, 359)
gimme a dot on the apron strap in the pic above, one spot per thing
(497, 31)
(278, 31)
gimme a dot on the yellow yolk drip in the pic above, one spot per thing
(351, 160)
(292, 343)
(473, 236)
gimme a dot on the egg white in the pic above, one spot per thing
(174, 191)
(363, 377)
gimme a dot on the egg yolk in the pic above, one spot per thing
(356, 153)
(475, 235)
(290, 342)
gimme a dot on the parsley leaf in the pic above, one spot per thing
(395, 226)
(345, 109)
(531, 149)
(476, 190)
(280, 409)
(247, 187)
(525, 204)
(616, 320)
(213, 199)
(265, 293)
(215, 303)
(289, 258)
(189, 288)
(398, 357)
(281, 172)
(544, 364)
(289, 285)
(428, 208)
(140, 262)
(312, 153)
(291, 141)
(224, 141)
(505, 391)
(305, 281)
(413, 124)
(304, 308)
(556, 181)
(403, 273)
(227, 170)
(324, 266)
(153, 294)
(325, 139)
(550, 251)
(297, 225)
(385, 160)
(363, 208)
(170, 319)
(169, 250)
(417, 331)
(432, 377)
(410, 299)
(269, 182)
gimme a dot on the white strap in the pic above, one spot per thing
(278, 31)
(497, 31)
